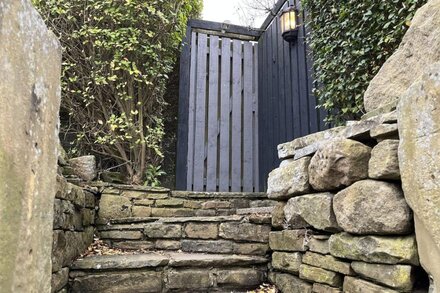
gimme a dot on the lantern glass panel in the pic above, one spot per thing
(292, 22)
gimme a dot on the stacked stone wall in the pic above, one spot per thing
(343, 224)
(73, 229)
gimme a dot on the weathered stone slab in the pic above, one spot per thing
(319, 275)
(262, 219)
(258, 210)
(339, 163)
(278, 215)
(419, 154)
(189, 279)
(168, 244)
(216, 204)
(240, 278)
(159, 230)
(244, 231)
(375, 249)
(385, 131)
(172, 212)
(119, 282)
(211, 246)
(144, 202)
(213, 260)
(59, 280)
(84, 167)
(398, 277)
(30, 94)
(171, 202)
(113, 207)
(321, 288)
(373, 207)
(250, 248)
(141, 211)
(129, 235)
(384, 162)
(216, 219)
(133, 245)
(287, 262)
(288, 240)
(315, 210)
(289, 180)
(290, 284)
(354, 285)
(319, 245)
(327, 262)
(419, 49)
(201, 231)
(119, 262)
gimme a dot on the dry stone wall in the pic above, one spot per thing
(73, 229)
(344, 225)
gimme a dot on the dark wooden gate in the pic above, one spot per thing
(285, 99)
(218, 124)
(242, 93)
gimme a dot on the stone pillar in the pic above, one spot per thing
(30, 69)
(419, 160)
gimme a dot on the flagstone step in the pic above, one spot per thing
(168, 272)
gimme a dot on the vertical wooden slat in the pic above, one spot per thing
(211, 166)
(255, 120)
(182, 134)
(191, 113)
(225, 112)
(262, 110)
(236, 129)
(200, 113)
(248, 104)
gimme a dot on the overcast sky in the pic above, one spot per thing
(221, 10)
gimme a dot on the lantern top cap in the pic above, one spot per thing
(289, 9)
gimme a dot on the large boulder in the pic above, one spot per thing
(30, 94)
(419, 157)
(373, 207)
(314, 210)
(375, 249)
(290, 179)
(419, 49)
(339, 163)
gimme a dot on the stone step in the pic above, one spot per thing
(248, 235)
(168, 272)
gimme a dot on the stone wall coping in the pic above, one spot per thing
(218, 195)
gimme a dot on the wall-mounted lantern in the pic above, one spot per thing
(289, 24)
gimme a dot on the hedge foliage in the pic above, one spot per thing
(117, 55)
(350, 41)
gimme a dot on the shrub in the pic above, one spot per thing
(350, 42)
(116, 57)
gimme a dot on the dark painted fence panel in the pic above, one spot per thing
(287, 106)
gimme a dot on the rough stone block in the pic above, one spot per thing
(144, 202)
(319, 245)
(59, 280)
(250, 248)
(211, 246)
(355, 285)
(201, 231)
(290, 179)
(129, 235)
(278, 215)
(319, 275)
(399, 277)
(315, 210)
(290, 284)
(168, 244)
(172, 212)
(287, 262)
(216, 204)
(339, 163)
(89, 200)
(113, 207)
(327, 262)
(244, 231)
(171, 202)
(384, 162)
(321, 288)
(88, 217)
(288, 240)
(373, 207)
(141, 211)
(189, 279)
(385, 131)
(375, 249)
(133, 245)
(138, 194)
(119, 282)
(240, 278)
(192, 204)
(159, 230)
